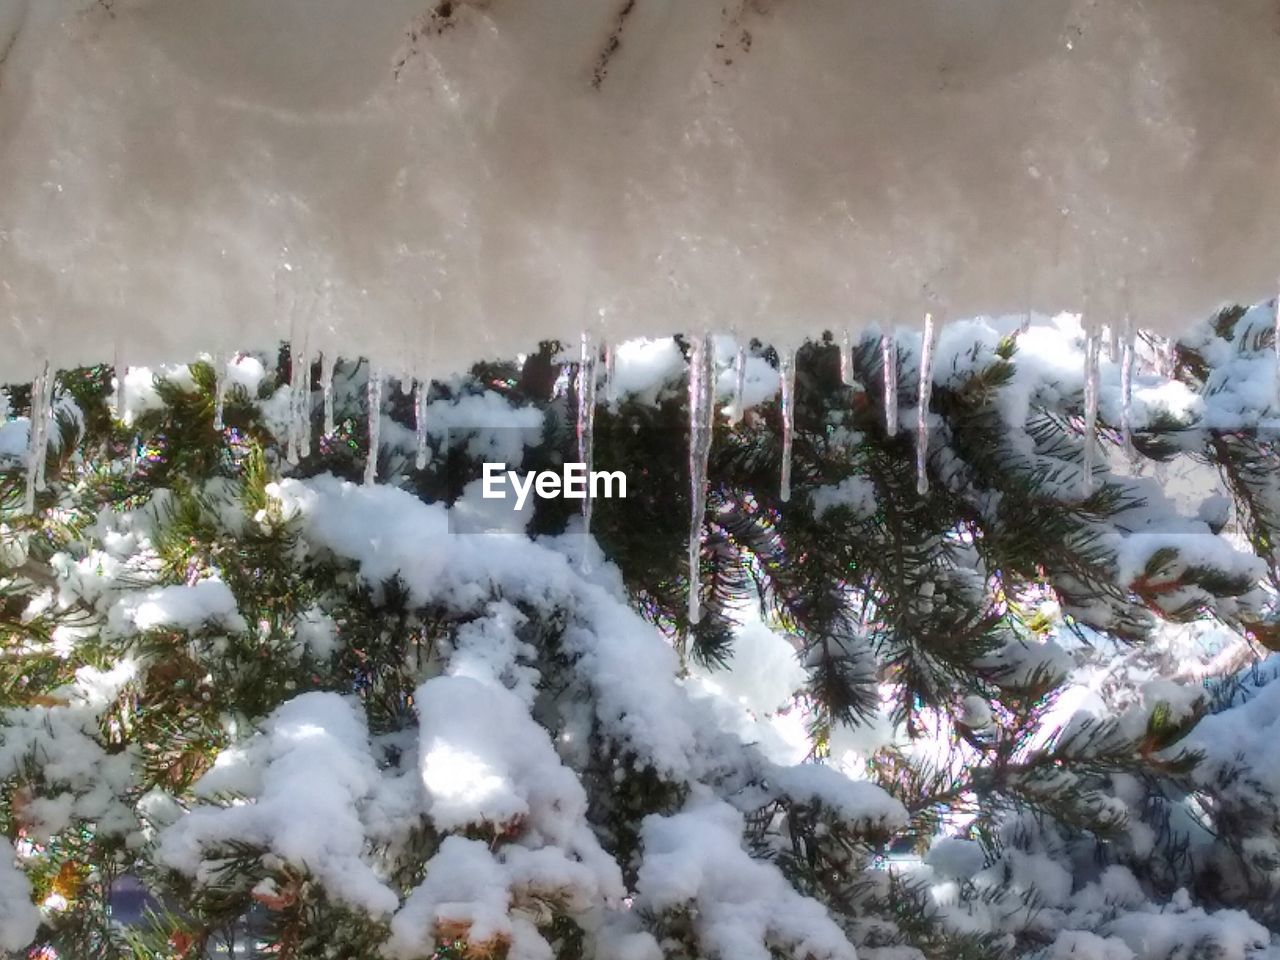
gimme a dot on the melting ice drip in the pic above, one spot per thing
(327, 363)
(922, 411)
(788, 361)
(299, 390)
(38, 437)
(219, 388)
(1128, 358)
(1092, 354)
(701, 422)
(1276, 337)
(374, 404)
(889, 360)
(587, 418)
(846, 360)
(421, 395)
(122, 371)
(610, 374)
(739, 384)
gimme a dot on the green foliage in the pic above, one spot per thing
(914, 598)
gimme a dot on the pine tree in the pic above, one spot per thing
(249, 704)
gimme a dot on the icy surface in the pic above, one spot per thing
(434, 187)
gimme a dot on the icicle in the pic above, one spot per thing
(1277, 349)
(889, 359)
(304, 409)
(219, 388)
(122, 371)
(586, 388)
(922, 411)
(421, 394)
(1092, 352)
(38, 435)
(702, 392)
(46, 421)
(299, 445)
(327, 363)
(610, 374)
(374, 402)
(1127, 359)
(788, 361)
(739, 385)
(846, 360)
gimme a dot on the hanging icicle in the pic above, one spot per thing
(122, 372)
(787, 358)
(1277, 350)
(1128, 358)
(38, 435)
(299, 444)
(421, 394)
(702, 392)
(846, 360)
(327, 363)
(374, 412)
(889, 360)
(1092, 355)
(586, 389)
(219, 388)
(610, 374)
(927, 344)
(739, 385)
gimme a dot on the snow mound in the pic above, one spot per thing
(313, 766)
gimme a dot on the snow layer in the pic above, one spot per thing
(18, 916)
(695, 859)
(312, 766)
(431, 188)
(390, 532)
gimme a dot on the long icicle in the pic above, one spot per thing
(374, 401)
(889, 360)
(586, 389)
(610, 374)
(1277, 350)
(304, 408)
(701, 423)
(739, 384)
(219, 388)
(846, 360)
(327, 363)
(787, 358)
(1128, 352)
(422, 392)
(1092, 352)
(46, 423)
(38, 435)
(922, 411)
(300, 386)
(122, 372)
